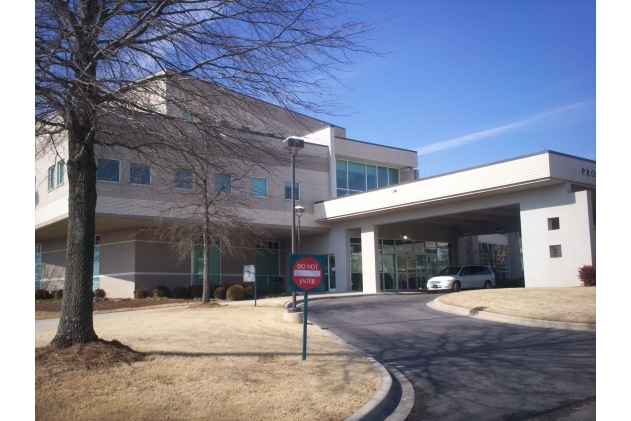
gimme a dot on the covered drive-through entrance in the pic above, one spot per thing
(531, 217)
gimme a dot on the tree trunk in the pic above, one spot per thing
(205, 282)
(75, 323)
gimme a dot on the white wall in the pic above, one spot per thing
(576, 236)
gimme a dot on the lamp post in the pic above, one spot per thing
(299, 211)
(293, 144)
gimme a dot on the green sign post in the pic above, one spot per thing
(306, 273)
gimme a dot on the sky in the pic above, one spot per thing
(467, 83)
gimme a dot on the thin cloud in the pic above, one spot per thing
(484, 134)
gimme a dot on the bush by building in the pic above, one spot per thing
(162, 291)
(180, 292)
(141, 293)
(235, 293)
(220, 293)
(42, 294)
(58, 294)
(587, 275)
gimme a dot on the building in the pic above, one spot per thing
(380, 226)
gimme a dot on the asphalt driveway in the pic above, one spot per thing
(469, 369)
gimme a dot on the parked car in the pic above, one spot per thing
(456, 278)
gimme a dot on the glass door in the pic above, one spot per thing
(402, 273)
(388, 273)
(330, 286)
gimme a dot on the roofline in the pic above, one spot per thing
(376, 144)
(508, 160)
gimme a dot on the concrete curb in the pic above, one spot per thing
(374, 409)
(494, 317)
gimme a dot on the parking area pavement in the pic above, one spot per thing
(464, 368)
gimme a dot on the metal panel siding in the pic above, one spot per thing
(374, 154)
(491, 177)
(567, 168)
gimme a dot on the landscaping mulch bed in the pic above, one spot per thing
(52, 308)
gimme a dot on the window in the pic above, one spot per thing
(353, 177)
(108, 170)
(288, 190)
(61, 172)
(258, 187)
(555, 251)
(186, 115)
(139, 174)
(51, 177)
(222, 183)
(553, 224)
(183, 179)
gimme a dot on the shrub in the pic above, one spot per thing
(141, 293)
(248, 292)
(235, 293)
(180, 292)
(162, 291)
(587, 275)
(58, 294)
(99, 293)
(42, 294)
(220, 293)
(195, 291)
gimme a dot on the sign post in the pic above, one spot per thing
(249, 275)
(305, 274)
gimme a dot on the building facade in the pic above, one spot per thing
(381, 228)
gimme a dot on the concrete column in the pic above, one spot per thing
(370, 258)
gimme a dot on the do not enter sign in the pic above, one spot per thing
(306, 272)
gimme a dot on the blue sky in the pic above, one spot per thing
(470, 82)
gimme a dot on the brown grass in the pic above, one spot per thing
(574, 305)
(52, 309)
(209, 362)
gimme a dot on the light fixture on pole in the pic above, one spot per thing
(299, 211)
(293, 144)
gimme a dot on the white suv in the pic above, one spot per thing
(456, 278)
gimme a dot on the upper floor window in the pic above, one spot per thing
(354, 177)
(61, 172)
(553, 224)
(183, 179)
(258, 187)
(288, 190)
(223, 183)
(108, 170)
(51, 177)
(139, 174)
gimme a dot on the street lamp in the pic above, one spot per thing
(299, 211)
(293, 144)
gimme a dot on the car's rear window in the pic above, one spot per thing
(450, 270)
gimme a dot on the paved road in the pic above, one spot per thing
(469, 369)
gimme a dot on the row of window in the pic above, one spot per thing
(56, 175)
(354, 177)
(109, 170)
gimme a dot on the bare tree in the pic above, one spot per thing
(102, 62)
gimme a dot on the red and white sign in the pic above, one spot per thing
(307, 273)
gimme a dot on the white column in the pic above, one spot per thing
(370, 258)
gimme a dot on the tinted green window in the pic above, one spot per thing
(382, 176)
(223, 183)
(288, 190)
(371, 177)
(139, 174)
(258, 187)
(356, 176)
(61, 172)
(393, 176)
(108, 170)
(340, 170)
(51, 178)
(197, 264)
(183, 179)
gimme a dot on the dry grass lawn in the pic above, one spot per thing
(203, 363)
(574, 305)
